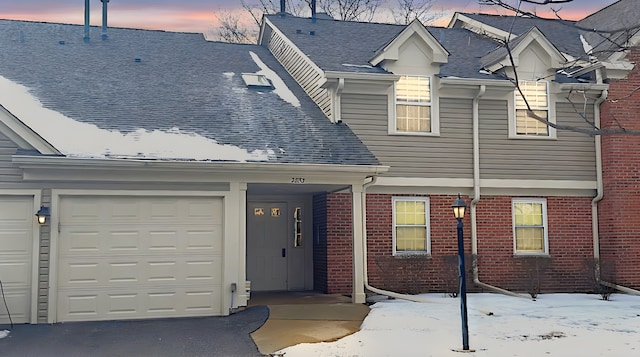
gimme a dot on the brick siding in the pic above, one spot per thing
(570, 245)
(619, 211)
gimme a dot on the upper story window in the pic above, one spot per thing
(537, 95)
(413, 105)
(530, 226)
(410, 225)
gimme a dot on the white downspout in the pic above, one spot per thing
(594, 204)
(476, 197)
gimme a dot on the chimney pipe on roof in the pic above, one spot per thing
(104, 19)
(283, 8)
(313, 11)
(86, 20)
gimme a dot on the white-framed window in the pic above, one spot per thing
(537, 95)
(413, 106)
(411, 225)
(530, 230)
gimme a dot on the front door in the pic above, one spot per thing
(267, 250)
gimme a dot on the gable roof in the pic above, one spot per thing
(501, 58)
(173, 89)
(346, 46)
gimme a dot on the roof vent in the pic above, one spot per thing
(298, 32)
(312, 33)
(137, 60)
(61, 42)
(256, 80)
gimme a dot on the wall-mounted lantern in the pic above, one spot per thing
(43, 214)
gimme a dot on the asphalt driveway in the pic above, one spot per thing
(207, 336)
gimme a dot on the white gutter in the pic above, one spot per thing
(594, 205)
(476, 198)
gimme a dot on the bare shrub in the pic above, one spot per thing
(535, 268)
(597, 271)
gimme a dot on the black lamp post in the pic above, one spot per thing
(459, 207)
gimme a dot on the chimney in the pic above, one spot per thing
(283, 8)
(86, 20)
(104, 19)
(313, 11)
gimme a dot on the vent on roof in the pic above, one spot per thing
(256, 80)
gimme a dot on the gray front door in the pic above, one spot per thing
(267, 245)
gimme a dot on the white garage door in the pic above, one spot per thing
(16, 244)
(139, 257)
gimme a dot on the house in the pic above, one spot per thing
(440, 107)
(174, 170)
(180, 173)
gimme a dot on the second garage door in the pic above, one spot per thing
(139, 257)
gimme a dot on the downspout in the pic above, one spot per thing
(476, 198)
(594, 204)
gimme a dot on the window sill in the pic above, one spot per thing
(532, 137)
(412, 134)
(529, 255)
(412, 254)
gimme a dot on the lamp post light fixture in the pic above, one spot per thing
(459, 208)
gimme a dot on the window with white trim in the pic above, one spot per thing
(411, 225)
(537, 95)
(530, 226)
(413, 105)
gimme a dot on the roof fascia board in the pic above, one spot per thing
(69, 163)
(362, 76)
(476, 82)
(480, 27)
(22, 135)
(390, 51)
(293, 46)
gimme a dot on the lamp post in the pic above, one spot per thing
(459, 208)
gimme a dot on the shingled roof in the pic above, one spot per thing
(348, 46)
(562, 33)
(620, 23)
(156, 81)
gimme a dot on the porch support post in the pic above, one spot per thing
(358, 296)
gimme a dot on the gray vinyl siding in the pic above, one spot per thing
(9, 173)
(301, 70)
(570, 157)
(449, 155)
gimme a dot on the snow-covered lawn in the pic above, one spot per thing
(553, 325)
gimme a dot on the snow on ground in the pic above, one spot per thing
(554, 325)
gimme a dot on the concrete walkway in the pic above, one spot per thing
(305, 317)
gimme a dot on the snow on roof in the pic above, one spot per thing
(280, 88)
(76, 139)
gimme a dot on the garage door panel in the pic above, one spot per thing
(153, 303)
(139, 270)
(15, 242)
(150, 257)
(81, 241)
(16, 245)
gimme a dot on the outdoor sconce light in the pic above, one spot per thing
(42, 214)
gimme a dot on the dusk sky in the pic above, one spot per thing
(200, 15)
